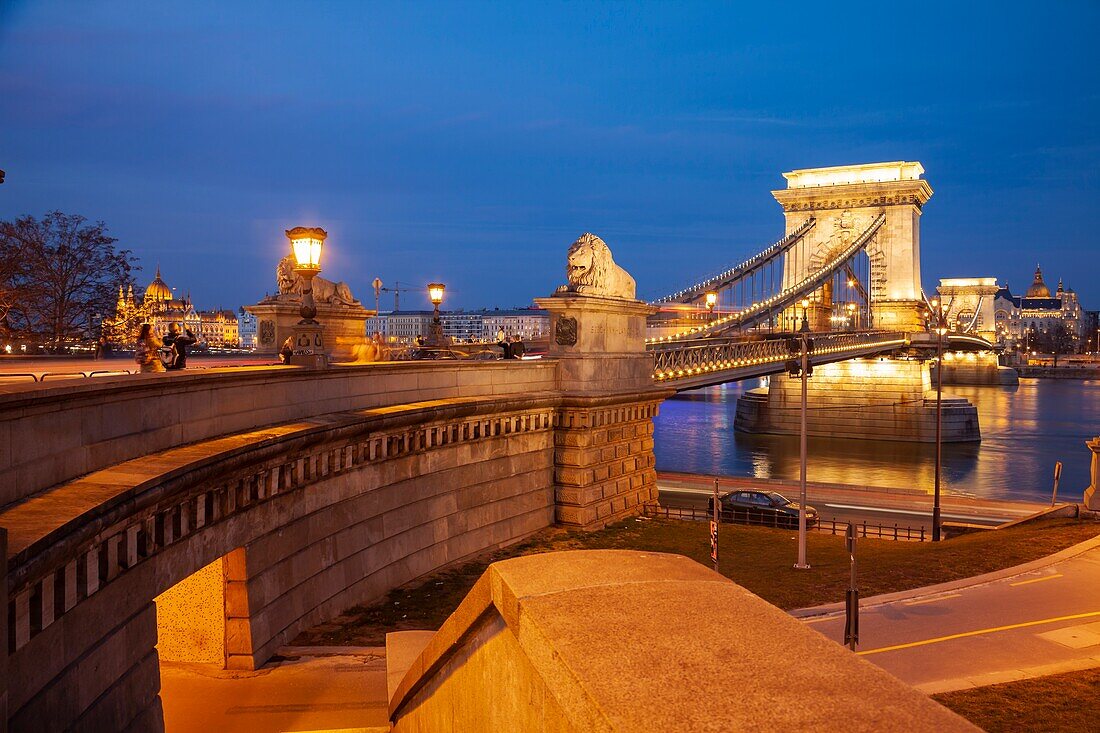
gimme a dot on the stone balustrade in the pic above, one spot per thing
(629, 642)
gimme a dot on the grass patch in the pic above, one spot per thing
(1061, 703)
(757, 558)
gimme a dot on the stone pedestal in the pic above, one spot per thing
(870, 399)
(1092, 493)
(897, 315)
(604, 467)
(309, 346)
(343, 326)
(599, 343)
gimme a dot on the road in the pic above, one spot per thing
(906, 508)
(976, 632)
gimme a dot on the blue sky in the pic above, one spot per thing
(471, 143)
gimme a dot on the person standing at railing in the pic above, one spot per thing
(147, 350)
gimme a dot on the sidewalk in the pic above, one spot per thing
(1031, 620)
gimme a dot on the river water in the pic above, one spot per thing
(1025, 429)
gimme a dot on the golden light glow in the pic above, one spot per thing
(435, 292)
(711, 299)
(306, 244)
(805, 302)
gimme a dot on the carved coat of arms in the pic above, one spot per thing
(565, 333)
(267, 332)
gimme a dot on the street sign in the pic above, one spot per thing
(714, 543)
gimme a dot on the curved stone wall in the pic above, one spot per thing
(329, 512)
(50, 433)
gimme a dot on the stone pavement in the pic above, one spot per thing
(1029, 621)
(326, 688)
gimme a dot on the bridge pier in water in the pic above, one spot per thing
(872, 399)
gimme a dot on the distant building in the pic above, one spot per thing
(246, 328)
(1038, 314)
(461, 326)
(157, 307)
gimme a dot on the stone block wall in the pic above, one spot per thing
(878, 399)
(604, 468)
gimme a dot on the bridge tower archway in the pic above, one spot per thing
(845, 201)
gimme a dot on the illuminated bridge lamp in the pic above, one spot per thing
(805, 323)
(711, 300)
(306, 244)
(435, 294)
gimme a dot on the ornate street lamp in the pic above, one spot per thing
(851, 315)
(805, 323)
(435, 294)
(711, 300)
(309, 344)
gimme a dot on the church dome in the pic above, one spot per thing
(1038, 288)
(158, 289)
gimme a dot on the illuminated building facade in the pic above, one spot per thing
(158, 307)
(1038, 315)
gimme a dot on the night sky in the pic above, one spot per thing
(471, 143)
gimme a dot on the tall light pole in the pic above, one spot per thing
(309, 344)
(941, 330)
(805, 323)
(804, 349)
(851, 308)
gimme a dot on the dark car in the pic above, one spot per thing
(768, 508)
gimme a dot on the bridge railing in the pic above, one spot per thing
(678, 360)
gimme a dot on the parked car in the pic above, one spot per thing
(768, 508)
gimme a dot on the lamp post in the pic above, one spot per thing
(711, 300)
(941, 329)
(805, 323)
(435, 294)
(309, 344)
(851, 307)
(804, 348)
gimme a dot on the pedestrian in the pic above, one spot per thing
(147, 350)
(178, 342)
(505, 345)
(287, 350)
(100, 348)
(518, 349)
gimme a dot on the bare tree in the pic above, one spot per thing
(66, 272)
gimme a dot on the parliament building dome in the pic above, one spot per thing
(158, 289)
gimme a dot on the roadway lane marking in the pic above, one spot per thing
(979, 632)
(933, 600)
(912, 513)
(818, 619)
(1037, 580)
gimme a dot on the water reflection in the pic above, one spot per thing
(1025, 430)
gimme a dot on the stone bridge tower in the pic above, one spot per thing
(845, 200)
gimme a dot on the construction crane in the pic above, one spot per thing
(396, 290)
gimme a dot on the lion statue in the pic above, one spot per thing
(324, 291)
(591, 271)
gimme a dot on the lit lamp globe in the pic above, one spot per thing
(711, 300)
(306, 244)
(805, 323)
(435, 294)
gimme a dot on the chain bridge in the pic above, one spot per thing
(848, 271)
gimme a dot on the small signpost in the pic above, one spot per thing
(714, 528)
(851, 600)
(1057, 478)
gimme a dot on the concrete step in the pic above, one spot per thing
(402, 649)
